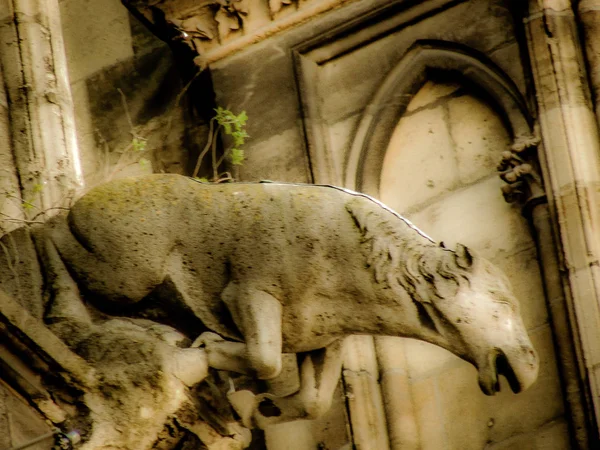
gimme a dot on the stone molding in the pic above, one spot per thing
(42, 120)
(213, 29)
(571, 166)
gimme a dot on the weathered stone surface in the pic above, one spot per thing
(479, 137)
(99, 41)
(19, 424)
(253, 276)
(20, 274)
(423, 173)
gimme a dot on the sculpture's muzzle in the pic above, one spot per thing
(519, 365)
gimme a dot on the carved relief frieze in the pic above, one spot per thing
(209, 25)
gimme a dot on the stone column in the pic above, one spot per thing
(43, 142)
(365, 402)
(589, 15)
(572, 169)
(10, 193)
(520, 168)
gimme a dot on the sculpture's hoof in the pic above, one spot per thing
(243, 402)
(266, 412)
(206, 338)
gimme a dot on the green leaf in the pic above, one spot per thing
(242, 118)
(237, 156)
(138, 144)
(144, 162)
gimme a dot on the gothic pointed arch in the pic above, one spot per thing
(365, 160)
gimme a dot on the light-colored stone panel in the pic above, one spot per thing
(93, 160)
(479, 136)
(431, 92)
(278, 436)
(400, 417)
(430, 418)
(471, 419)
(466, 422)
(523, 271)
(420, 162)
(553, 436)
(424, 359)
(96, 35)
(478, 217)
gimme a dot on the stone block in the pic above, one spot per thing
(469, 419)
(478, 217)
(463, 407)
(509, 58)
(278, 158)
(523, 271)
(399, 408)
(391, 353)
(6, 10)
(424, 359)
(552, 436)
(420, 163)
(93, 162)
(240, 83)
(279, 436)
(430, 417)
(96, 35)
(479, 136)
(431, 92)
(348, 83)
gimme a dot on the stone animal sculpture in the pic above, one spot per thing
(272, 268)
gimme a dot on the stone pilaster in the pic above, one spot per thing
(571, 162)
(43, 143)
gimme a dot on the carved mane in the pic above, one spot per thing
(402, 256)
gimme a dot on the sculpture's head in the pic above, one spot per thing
(467, 304)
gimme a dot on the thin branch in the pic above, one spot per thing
(211, 135)
(178, 99)
(214, 158)
(17, 220)
(49, 209)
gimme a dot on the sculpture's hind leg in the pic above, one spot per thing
(319, 374)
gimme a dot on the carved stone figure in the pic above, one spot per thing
(274, 268)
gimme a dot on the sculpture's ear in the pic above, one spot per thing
(463, 256)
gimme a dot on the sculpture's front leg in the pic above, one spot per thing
(258, 316)
(319, 374)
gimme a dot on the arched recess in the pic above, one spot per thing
(364, 167)
(365, 160)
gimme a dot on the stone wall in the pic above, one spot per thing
(351, 98)
(127, 86)
(440, 172)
